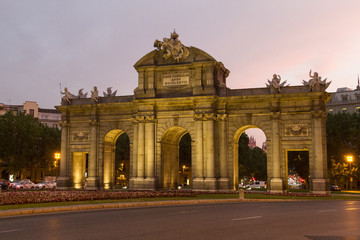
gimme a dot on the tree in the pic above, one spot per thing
(343, 138)
(252, 162)
(26, 143)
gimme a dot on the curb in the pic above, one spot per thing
(71, 208)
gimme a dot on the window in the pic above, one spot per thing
(31, 112)
(55, 126)
(343, 110)
(330, 110)
(357, 109)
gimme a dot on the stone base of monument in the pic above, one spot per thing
(92, 183)
(320, 186)
(141, 183)
(63, 183)
(223, 184)
(276, 185)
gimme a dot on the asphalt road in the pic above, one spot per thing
(318, 220)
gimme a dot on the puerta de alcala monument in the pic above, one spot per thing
(183, 90)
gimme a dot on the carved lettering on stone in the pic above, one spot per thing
(80, 135)
(296, 130)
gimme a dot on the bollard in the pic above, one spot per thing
(242, 194)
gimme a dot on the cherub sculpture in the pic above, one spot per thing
(109, 92)
(81, 94)
(275, 82)
(315, 80)
(95, 95)
(67, 96)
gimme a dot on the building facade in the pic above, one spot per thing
(182, 90)
(344, 100)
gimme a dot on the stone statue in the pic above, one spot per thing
(67, 96)
(275, 82)
(81, 94)
(172, 47)
(109, 92)
(315, 80)
(95, 95)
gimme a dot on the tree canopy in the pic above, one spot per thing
(252, 162)
(26, 143)
(343, 139)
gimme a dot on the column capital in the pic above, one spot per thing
(221, 117)
(143, 118)
(318, 114)
(275, 115)
(93, 122)
(64, 124)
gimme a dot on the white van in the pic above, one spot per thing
(257, 184)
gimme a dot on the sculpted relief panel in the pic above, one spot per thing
(296, 130)
(80, 135)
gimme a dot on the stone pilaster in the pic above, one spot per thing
(150, 149)
(319, 183)
(63, 180)
(198, 162)
(93, 179)
(276, 183)
(224, 180)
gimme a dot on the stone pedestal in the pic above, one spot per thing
(320, 186)
(63, 183)
(276, 185)
(223, 184)
(92, 183)
(141, 183)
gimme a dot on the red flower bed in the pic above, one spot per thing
(17, 197)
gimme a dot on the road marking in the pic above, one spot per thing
(246, 218)
(350, 209)
(7, 231)
(184, 212)
(330, 210)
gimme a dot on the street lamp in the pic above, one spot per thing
(349, 158)
(57, 157)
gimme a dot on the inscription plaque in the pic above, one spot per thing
(176, 79)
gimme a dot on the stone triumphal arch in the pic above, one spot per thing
(182, 90)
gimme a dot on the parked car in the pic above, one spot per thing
(12, 184)
(335, 188)
(25, 184)
(256, 184)
(46, 185)
(4, 185)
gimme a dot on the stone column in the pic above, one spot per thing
(319, 183)
(276, 183)
(224, 178)
(93, 179)
(63, 179)
(150, 151)
(108, 153)
(198, 163)
(141, 151)
(209, 151)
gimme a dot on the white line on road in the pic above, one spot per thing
(246, 218)
(184, 212)
(350, 209)
(330, 210)
(7, 231)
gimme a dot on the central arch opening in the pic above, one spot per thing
(116, 159)
(250, 158)
(176, 159)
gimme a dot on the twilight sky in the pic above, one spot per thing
(86, 43)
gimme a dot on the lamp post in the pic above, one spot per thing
(349, 158)
(57, 158)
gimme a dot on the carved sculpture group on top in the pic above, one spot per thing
(109, 92)
(276, 83)
(68, 96)
(95, 95)
(172, 47)
(315, 80)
